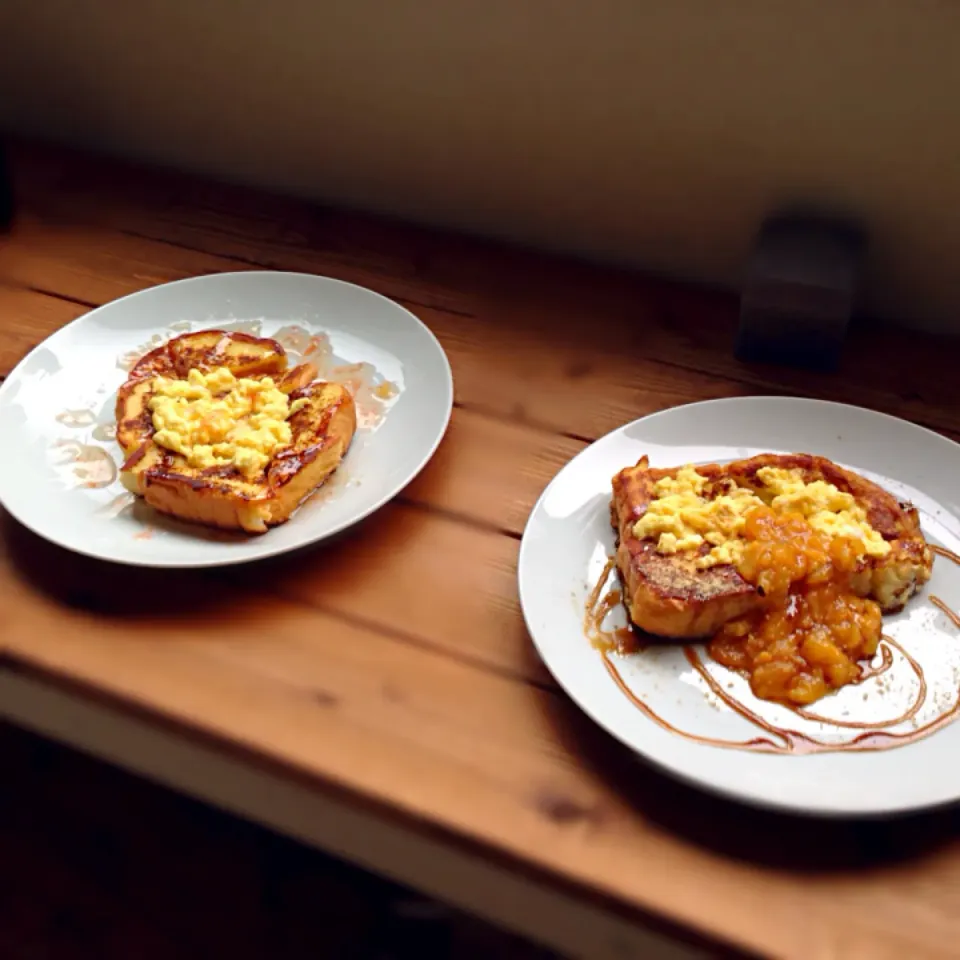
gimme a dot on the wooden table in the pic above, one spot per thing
(380, 697)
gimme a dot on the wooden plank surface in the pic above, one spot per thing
(394, 664)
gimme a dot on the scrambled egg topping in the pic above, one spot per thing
(682, 518)
(215, 420)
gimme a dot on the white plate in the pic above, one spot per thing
(568, 539)
(56, 412)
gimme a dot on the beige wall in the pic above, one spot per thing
(650, 131)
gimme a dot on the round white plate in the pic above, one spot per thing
(567, 541)
(56, 412)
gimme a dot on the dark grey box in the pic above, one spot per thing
(799, 291)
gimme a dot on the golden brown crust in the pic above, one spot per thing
(668, 596)
(204, 350)
(322, 431)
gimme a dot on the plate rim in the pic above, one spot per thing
(701, 784)
(147, 561)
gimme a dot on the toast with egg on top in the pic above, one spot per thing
(217, 430)
(677, 531)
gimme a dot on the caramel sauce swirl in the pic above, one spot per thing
(772, 738)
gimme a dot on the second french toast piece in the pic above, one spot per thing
(677, 595)
(316, 420)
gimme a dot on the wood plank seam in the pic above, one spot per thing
(247, 261)
(760, 380)
(486, 411)
(765, 380)
(422, 643)
(480, 408)
(715, 360)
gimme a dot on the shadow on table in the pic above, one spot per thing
(732, 829)
(778, 840)
(129, 592)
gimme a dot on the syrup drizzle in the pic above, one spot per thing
(951, 615)
(611, 643)
(371, 393)
(618, 640)
(127, 361)
(105, 431)
(93, 467)
(943, 608)
(868, 672)
(75, 418)
(945, 553)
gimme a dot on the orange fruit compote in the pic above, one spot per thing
(812, 629)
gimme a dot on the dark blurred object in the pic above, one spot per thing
(799, 291)
(6, 191)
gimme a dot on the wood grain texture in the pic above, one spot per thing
(27, 319)
(477, 754)
(394, 664)
(638, 319)
(563, 388)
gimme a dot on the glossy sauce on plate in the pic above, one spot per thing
(613, 644)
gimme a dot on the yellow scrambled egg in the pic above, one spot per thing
(682, 518)
(215, 420)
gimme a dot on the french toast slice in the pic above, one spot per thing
(322, 426)
(671, 595)
(242, 354)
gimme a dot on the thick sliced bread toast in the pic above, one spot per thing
(671, 596)
(321, 431)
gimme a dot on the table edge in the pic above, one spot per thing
(438, 866)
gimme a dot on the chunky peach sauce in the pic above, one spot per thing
(812, 630)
